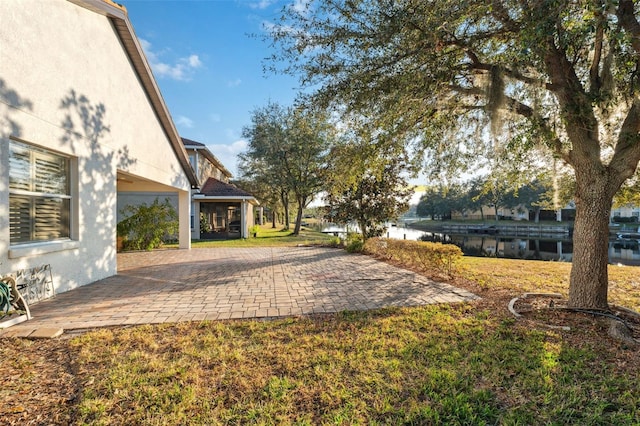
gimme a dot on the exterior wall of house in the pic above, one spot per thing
(67, 85)
(626, 212)
(250, 219)
(490, 213)
(206, 170)
(195, 228)
(203, 168)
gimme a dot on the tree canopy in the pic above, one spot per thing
(450, 78)
(287, 149)
(440, 201)
(366, 186)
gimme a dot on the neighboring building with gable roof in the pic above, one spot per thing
(223, 210)
(82, 123)
(204, 163)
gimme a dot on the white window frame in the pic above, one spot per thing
(40, 246)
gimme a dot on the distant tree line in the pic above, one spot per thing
(441, 201)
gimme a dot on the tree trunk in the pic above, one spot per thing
(589, 276)
(296, 230)
(363, 230)
(285, 204)
(537, 215)
(273, 218)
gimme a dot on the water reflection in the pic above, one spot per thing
(512, 248)
(621, 250)
(624, 251)
(395, 232)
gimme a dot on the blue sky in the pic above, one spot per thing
(209, 67)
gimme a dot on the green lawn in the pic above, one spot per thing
(430, 365)
(268, 236)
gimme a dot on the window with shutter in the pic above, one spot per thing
(39, 195)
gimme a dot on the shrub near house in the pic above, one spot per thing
(148, 226)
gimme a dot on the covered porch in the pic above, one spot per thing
(135, 190)
(220, 220)
(222, 211)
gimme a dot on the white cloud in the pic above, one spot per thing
(228, 154)
(299, 6)
(240, 145)
(262, 4)
(194, 61)
(216, 118)
(183, 121)
(181, 69)
(234, 83)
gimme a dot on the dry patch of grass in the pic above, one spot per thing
(520, 276)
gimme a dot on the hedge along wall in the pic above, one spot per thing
(425, 255)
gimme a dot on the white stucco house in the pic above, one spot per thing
(219, 209)
(81, 121)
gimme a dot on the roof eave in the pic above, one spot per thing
(118, 16)
(211, 157)
(106, 8)
(217, 163)
(201, 197)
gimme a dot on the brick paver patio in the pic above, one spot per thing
(224, 283)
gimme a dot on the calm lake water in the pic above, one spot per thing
(622, 250)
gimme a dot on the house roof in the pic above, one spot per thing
(118, 16)
(216, 190)
(190, 144)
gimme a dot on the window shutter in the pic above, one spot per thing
(20, 167)
(19, 219)
(39, 198)
(51, 175)
(51, 220)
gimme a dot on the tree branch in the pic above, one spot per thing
(594, 72)
(627, 19)
(529, 113)
(627, 151)
(476, 64)
(575, 106)
(501, 14)
(525, 111)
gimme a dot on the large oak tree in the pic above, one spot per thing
(564, 74)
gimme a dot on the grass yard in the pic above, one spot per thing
(467, 364)
(427, 365)
(520, 276)
(268, 236)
